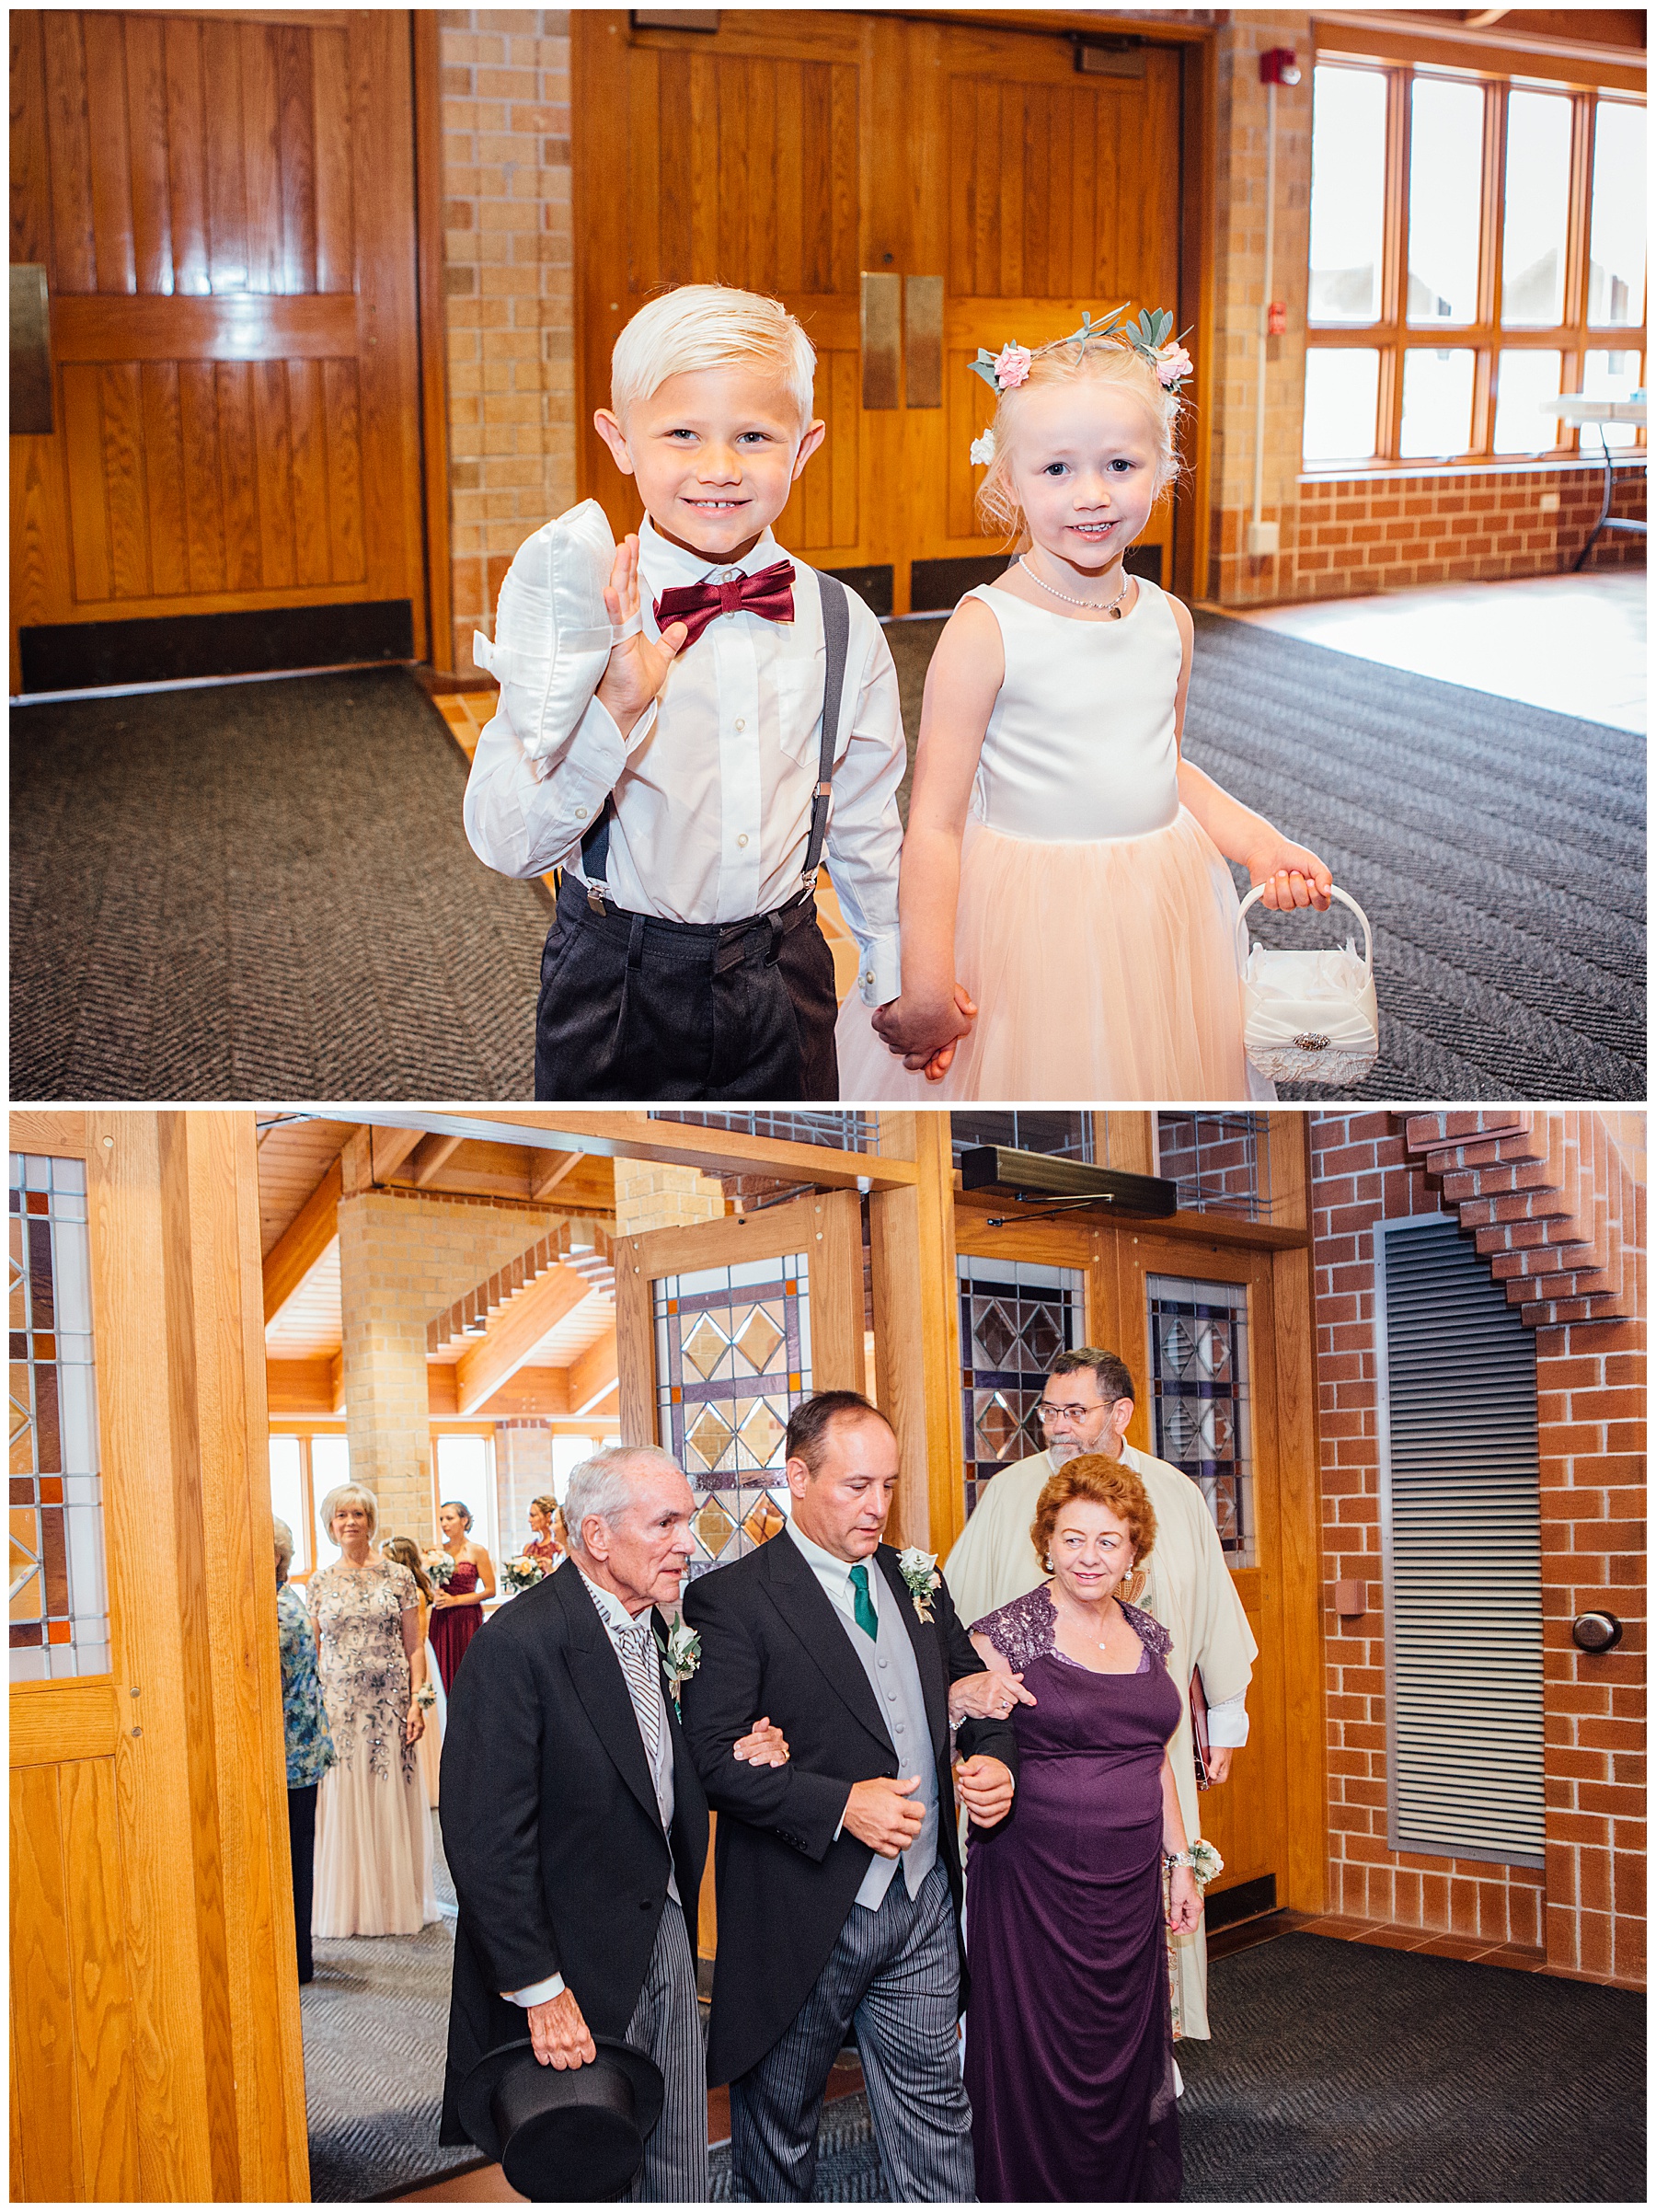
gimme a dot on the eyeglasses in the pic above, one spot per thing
(1046, 1412)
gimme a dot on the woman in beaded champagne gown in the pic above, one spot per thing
(1069, 2032)
(374, 1826)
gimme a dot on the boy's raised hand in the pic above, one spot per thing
(638, 666)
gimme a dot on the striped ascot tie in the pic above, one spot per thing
(637, 1647)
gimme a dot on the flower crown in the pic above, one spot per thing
(1148, 338)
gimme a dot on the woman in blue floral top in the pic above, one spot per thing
(310, 1751)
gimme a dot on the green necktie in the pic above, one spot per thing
(868, 1621)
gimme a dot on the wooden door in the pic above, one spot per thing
(796, 154)
(1247, 1819)
(154, 2000)
(224, 208)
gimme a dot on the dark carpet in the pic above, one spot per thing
(262, 891)
(1498, 850)
(1341, 2073)
(375, 2028)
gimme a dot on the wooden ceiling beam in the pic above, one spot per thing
(430, 1153)
(390, 1148)
(592, 1377)
(547, 1170)
(496, 1357)
(302, 1243)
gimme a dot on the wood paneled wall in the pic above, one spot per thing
(224, 206)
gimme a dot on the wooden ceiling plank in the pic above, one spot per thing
(520, 1329)
(593, 1376)
(302, 1243)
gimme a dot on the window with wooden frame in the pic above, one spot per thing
(306, 1464)
(1478, 247)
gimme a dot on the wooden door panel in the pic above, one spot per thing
(225, 208)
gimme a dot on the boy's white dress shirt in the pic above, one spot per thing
(713, 785)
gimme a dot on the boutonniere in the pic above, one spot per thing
(681, 1655)
(919, 1571)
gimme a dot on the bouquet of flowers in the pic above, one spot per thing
(439, 1566)
(520, 1573)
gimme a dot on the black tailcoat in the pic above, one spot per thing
(550, 1825)
(773, 1643)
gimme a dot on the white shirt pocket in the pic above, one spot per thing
(799, 681)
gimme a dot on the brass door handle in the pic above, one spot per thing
(30, 351)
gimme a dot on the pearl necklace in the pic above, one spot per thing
(1093, 607)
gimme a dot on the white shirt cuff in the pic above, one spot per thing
(880, 970)
(537, 1993)
(1227, 1723)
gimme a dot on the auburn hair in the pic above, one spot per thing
(1102, 1482)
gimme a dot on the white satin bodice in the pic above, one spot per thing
(1082, 744)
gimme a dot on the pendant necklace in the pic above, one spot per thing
(1093, 607)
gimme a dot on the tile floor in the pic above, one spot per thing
(1575, 644)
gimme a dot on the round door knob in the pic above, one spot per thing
(1596, 1632)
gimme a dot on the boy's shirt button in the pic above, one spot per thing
(742, 839)
(581, 814)
(740, 725)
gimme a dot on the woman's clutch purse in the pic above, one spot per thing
(553, 634)
(1309, 1017)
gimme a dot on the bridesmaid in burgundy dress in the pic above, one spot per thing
(457, 1611)
(1069, 2032)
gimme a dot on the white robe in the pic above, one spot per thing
(1189, 1591)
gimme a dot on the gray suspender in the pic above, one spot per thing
(836, 639)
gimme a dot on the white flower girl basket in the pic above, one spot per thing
(1309, 1017)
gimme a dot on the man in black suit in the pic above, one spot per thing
(839, 1873)
(573, 1819)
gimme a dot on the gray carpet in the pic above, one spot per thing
(375, 2028)
(1498, 850)
(262, 891)
(1340, 2073)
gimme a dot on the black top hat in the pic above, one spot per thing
(562, 2136)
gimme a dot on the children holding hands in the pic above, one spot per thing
(1062, 865)
(745, 721)
(702, 723)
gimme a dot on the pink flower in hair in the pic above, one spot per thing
(1172, 362)
(1011, 366)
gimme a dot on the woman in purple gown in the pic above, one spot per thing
(1069, 2032)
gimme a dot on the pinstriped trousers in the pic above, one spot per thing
(895, 1974)
(666, 2025)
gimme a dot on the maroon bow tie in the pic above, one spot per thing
(768, 592)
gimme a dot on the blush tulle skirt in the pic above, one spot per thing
(374, 1847)
(1100, 970)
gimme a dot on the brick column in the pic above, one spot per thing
(509, 280)
(650, 1197)
(387, 1416)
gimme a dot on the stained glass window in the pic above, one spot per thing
(732, 1361)
(1199, 1384)
(1015, 1319)
(60, 1611)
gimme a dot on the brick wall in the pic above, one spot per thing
(401, 1262)
(651, 1197)
(522, 1470)
(510, 298)
(1378, 533)
(1586, 1907)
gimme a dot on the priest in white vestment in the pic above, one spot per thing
(1086, 1407)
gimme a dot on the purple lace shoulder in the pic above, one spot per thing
(1022, 1630)
(1150, 1632)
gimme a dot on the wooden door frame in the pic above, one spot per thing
(204, 1940)
(431, 329)
(831, 1221)
(598, 221)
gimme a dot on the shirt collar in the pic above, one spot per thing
(610, 1612)
(666, 564)
(825, 1562)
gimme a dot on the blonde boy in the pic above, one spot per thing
(687, 805)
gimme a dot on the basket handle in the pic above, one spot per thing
(1345, 898)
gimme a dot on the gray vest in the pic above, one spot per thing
(894, 1676)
